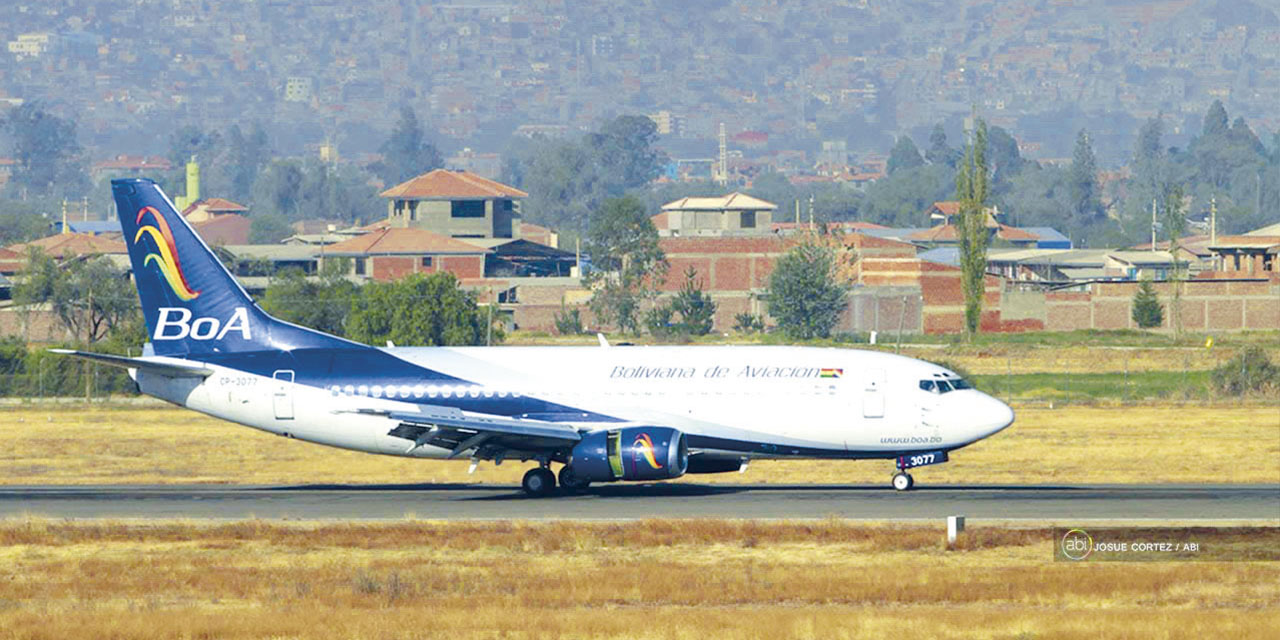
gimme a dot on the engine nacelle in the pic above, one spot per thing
(631, 453)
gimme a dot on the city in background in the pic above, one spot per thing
(1132, 148)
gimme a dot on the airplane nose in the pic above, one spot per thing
(976, 415)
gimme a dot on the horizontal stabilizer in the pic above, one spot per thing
(170, 369)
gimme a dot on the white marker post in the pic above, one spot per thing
(955, 525)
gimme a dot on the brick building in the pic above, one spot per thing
(393, 253)
(456, 204)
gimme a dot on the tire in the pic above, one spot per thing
(538, 482)
(570, 481)
(903, 481)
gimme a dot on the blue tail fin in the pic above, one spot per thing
(192, 304)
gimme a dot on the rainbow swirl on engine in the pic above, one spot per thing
(644, 446)
(166, 254)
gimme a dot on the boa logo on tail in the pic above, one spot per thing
(166, 254)
(644, 446)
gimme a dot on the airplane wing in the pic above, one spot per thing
(450, 428)
(170, 369)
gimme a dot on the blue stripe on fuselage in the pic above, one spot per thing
(325, 368)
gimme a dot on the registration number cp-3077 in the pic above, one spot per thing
(921, 459)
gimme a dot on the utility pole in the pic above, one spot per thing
(1153, 225)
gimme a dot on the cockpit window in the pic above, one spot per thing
(944, 385)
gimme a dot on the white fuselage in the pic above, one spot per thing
(802, 401)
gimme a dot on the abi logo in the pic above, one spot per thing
(175, 323)
(1077, 544)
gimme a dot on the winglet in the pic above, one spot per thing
(604, 342)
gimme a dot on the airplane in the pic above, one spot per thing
(603, 413)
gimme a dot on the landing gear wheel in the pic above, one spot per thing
(538, 482)
(570, 481)
(902, 481)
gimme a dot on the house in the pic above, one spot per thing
(735, 214)
(396, 252)
(455, 204)
(1248, 255)
(212, 209)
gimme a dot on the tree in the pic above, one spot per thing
(624, 153)
(697, 310)
(46, 151)
(939, 152)
(1175, 223)
(322, 304)
(90, 296)
(904, 155)
(805, 293)
(269, 228)
(1147, 310)
(972, 190)
(407, 153)
(627, 264)
(427, 310)
(246, 155)
(1082, 183)
(1215, 120)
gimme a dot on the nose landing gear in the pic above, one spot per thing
(902, 481)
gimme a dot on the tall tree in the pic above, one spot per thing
(47, 153)
(806, 293)
(1086, 203)
(624, 151)
(972, 190)
(321, 304)
(697, 310)
(939, 152)
(408, 152)
(247, 153)
(1215, 120)
(627, 263)
(904, 155)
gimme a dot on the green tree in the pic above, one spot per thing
(805, 293)
(1147, 310)
(1215, 120)
(973, 190)
(1082, 183)
(247, 154)
(48, 156)
(624, 151)
(904, 155)
(420, 310)
(320, 303)
(269, 228)
(627, 263)
(939, 152)
(90, 296)
(408, 152)
(696, 309)
(278, 189)
(1175, 223)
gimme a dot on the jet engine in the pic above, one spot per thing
(631, 453)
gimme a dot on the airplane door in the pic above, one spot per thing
(873, 394)
(282, 394)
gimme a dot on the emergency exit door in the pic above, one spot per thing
(282, 394)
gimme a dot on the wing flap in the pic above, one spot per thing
(450, 428)
(170, 369)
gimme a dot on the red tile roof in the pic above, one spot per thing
(215, 205)
(65, 245)
(444, 184)
(402, 241)
(224, 230)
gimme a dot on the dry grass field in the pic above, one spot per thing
(1075, 444)
(651, 579)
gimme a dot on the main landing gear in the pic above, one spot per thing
(538, 482)
(902, 481)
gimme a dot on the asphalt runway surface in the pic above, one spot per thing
(633, 501)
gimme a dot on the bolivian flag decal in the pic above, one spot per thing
(831, 373)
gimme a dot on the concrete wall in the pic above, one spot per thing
(499, 220)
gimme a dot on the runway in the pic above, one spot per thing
(1041, 503)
